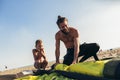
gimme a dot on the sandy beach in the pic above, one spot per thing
(11, 74)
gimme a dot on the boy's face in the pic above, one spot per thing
(39, 46)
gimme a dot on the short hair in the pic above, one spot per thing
(61, 19)
(38, 41)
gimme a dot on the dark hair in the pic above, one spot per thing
(38, 41)
(60, 19)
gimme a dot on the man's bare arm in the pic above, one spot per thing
(57, 49)
(76, 47)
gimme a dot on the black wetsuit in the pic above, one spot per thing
(86, 50)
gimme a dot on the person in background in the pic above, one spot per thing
(39, 56)
(70, 37)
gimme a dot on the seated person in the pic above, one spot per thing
(39, 56)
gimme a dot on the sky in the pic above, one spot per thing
(22, 22)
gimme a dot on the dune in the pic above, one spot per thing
(11, 74)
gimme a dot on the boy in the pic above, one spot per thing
(39, 55)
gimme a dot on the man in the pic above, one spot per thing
(70, 37)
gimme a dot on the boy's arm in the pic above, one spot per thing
(43, 54)
(34, 51)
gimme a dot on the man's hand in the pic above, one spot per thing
(53, 66)
(74, 62)
(57, 63)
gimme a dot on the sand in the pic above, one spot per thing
(11, 74)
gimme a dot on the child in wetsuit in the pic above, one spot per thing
(39, 56)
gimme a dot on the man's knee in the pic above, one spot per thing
(96, 46)
(67, 61)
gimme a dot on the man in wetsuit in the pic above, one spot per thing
(70, 37)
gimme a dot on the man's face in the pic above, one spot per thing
(64, 27)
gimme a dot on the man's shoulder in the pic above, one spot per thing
(72, 28)
(58, 33)
(74, 32)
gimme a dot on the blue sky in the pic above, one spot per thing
(24, 21)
